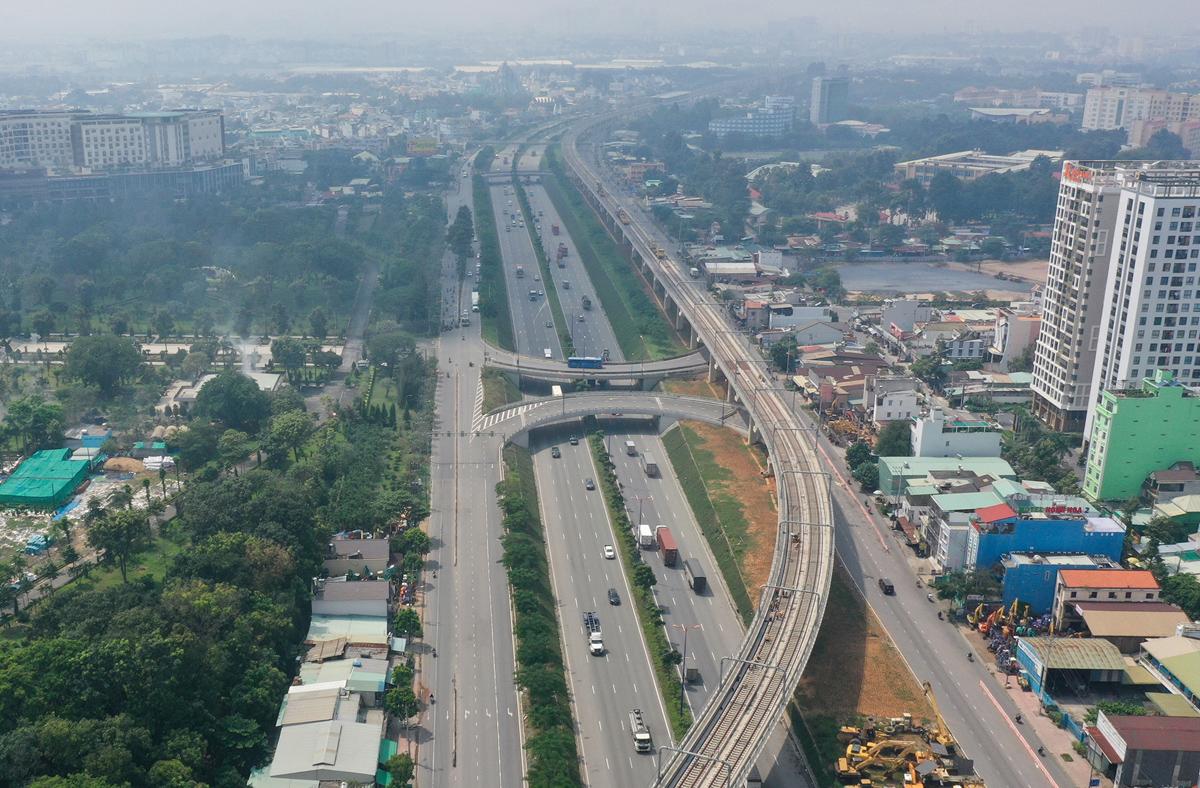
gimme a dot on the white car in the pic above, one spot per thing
(609, 552)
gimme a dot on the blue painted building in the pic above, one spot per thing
(1032, 577)
(999, 530)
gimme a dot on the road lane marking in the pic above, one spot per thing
(1037, 761)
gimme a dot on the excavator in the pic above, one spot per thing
(941, 733)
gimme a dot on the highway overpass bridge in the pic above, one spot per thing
(514, 422)
(646, 374)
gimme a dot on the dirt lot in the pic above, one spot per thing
(854, 669)
(743, 483)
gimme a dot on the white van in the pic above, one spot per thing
(630, 448)
(547, 353)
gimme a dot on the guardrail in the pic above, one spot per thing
(732, 729)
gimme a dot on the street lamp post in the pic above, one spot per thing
(683, 665)
(641, 500)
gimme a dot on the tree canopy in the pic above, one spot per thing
(104, 361)
(234, 400)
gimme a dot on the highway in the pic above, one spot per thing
(594, 336)
(471, 734)
(981, 721)
(604, 688)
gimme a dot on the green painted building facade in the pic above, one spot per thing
(1137, 431)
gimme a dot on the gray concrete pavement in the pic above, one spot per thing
(604, 688)
(471, 735)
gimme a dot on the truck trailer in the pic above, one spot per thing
(648, 464)
(641, 734)
(666, 544)
(591, 623)
(695, 575)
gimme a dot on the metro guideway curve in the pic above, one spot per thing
(731, 731)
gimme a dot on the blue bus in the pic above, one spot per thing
(585, 362)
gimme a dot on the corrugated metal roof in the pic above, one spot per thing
(1185, 668)
(1076, 653)
(1172, 705)
(964, 502)
(1173, 646)
(1164, 734)
(1131, 619)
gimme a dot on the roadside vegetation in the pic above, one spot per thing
(638, 321)
(169, 670)
(541, 671)
(498, 390)
(641, 578)
(719, 514)
(560, 320)
(494, 316)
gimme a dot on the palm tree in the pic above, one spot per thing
(122, 498)
(146, 487)
(162, 478)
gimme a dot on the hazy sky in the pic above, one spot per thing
(47, 20)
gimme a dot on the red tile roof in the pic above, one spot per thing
(1108, 578)
(994, 514)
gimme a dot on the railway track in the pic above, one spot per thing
(731, 731)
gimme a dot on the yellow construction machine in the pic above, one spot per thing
(941, 731)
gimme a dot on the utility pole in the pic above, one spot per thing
(683, 665)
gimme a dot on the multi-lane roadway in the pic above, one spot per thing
(1003, 755)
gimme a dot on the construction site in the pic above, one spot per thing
(901, 751)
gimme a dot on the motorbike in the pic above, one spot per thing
(1018, 718)
(434, 656)
(431, 699)
(470, 363)
(1041, 750)
(918, 583)
(939, 615)
(929, 597)
(970, 657)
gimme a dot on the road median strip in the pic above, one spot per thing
(641, 578)
(540, 670)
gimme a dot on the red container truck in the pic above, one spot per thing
(666, 544)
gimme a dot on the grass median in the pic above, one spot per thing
(638, 322)
(494, 315)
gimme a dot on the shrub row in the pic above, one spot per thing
(550, 740)
(493, 291)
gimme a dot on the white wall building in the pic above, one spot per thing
(1119, 107)
(934, 436)
(35, 139)
(904, 314)
(1152, 315)
(104, 141)
(1070, 329)
(892, 398)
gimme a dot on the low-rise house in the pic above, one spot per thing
(891, 398)
(1138, 751)
(352, 598)
(360, 556)
(1054, 664)
(1099, 585)
(933, 435)
(1174, 482)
